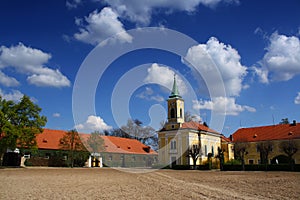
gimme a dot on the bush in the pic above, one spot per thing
(233, 162)
(160, 166)
(280, 167)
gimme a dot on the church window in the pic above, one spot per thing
(173, 144)
(172, 113)
(180, 113)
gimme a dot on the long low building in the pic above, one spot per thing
(115, 151)
(276, 139)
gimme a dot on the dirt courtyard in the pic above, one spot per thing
(105, 183)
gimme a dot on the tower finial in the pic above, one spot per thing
(174, 92)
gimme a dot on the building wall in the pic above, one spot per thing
(128, 160)
(184, 139)
(228, 149)
(254, 155)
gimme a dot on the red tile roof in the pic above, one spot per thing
(50, 139)
(197, 126)
(273, 132)
(225, 139)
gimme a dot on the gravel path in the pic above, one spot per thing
(64, 183)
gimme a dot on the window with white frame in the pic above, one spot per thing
(173, 144)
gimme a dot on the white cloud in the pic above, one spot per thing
(164, 76)
(8, 81)
(215, 55)
(54, 77)
(148, 95)
(56, 115)
(101, 26)
(140, 11)
(93, 123)
(30, 61)
(222, 105)
(297, 99)
(72, 4)
(15, 95)
(282, 59)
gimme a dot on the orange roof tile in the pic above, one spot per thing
(273, 132)
(50, 139)
(223, 138)
(198, 126)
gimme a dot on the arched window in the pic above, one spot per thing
(172, 113)
(180, 113)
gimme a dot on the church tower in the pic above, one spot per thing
(175, 109)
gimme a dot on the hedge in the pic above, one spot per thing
(279, 167)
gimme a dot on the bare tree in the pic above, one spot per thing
(144, 134)
(95, 142)
(195, 152)
(220, 156)
(240, 150)
(289, 148)
(188, 116)
(264, 148)
(284, 121)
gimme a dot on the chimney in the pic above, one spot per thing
(294, 122)
(231, 138)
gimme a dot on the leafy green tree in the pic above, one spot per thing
(19, 124)
(71, 142)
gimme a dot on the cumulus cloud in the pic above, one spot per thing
(222, 105)
(281, 61)
(164, 76)
(7, 80)
(297, 99)
(140, 11)
(30, 61)
(216, 57)
(148, 94)
(99, 26)
(14, 95)
(93, 123)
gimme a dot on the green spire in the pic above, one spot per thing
(174, 92)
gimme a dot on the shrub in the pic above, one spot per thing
(233, 162)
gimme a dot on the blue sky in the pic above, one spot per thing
(242, 70)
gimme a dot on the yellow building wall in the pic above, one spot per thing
(184, 139)
(228, 149)
(254, 155)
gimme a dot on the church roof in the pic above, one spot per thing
(197, 126)
(273, 132)
(175, 92)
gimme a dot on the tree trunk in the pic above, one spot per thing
(1, 158)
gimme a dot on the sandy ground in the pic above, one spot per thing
(63, 183)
